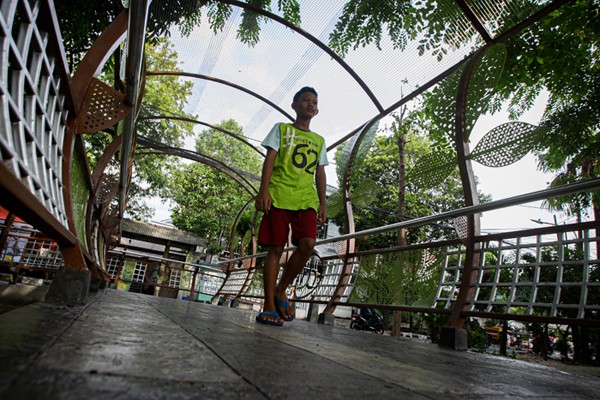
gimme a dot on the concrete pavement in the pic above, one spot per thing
(124, 345)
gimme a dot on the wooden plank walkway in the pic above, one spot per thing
(129, 346)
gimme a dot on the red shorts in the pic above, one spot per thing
(275, 226)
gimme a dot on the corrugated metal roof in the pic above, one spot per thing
(160, 232)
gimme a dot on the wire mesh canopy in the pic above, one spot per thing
(254, 84)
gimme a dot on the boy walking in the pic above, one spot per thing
(295, 161)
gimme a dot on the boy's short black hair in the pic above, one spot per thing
(305, 89)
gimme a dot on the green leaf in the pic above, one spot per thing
(506, 144)
(432, 169)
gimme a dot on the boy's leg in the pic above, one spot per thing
(270, 271)
(294, 266)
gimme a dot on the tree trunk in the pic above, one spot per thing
(396, 323)
(401, 143)
(503, 338)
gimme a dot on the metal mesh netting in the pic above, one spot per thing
(483, 82)
(283, 60)
(497, 15)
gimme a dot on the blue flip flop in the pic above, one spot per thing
(261, 317)
(285, 305)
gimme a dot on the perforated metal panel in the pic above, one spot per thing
(235, 282)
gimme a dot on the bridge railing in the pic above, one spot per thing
(44, 173)
(550, 274)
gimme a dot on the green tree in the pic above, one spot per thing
(382, 165)
(558, 55)
(227, 149)
(207, 200)
(83, 21)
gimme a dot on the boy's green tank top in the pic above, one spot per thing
(292, 184)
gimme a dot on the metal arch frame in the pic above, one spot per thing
(470, 59)
(349, 261)
(204, 159)
(469, 274)
(82, 82)
(226, 83)
(195, 121)
(233, 173)
(456, 319)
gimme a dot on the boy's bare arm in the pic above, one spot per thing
(321, 179)
(263, 198)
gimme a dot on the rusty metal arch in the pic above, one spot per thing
(226, 83)
(237, 175)
(195, 121)
(421, 89)
(469, 185)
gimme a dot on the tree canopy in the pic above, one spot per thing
(205, 199)
(379, 172)
(163, 95)
(557, 56)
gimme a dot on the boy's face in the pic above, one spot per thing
(307, 105)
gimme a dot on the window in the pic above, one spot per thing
(112, 266)
(139, 272)
(175, 278)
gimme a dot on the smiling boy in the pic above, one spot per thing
(292, 194)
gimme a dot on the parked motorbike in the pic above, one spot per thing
(367, 319)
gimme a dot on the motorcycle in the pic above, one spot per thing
(367, 319)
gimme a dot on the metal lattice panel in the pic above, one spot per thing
(32, 108)
(28, 248)
(109, 186)
(235, 282)
(554, 275)
(461, 227)
(332, 271)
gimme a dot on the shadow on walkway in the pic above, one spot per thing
(129, 346)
